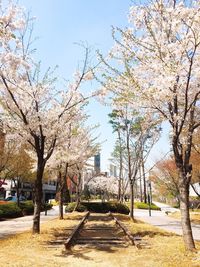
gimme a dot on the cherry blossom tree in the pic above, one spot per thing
(34, 110)
(71, 156)
(159, 73)
(104, 185)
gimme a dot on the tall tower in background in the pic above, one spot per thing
(113, 170)
(97, 163)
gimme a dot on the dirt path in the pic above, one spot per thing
(101, 230)
(101, 243)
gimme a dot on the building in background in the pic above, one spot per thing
(113, 170)
(26, 189)
(97, 163)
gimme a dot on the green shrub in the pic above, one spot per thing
(141, 205)
(121, 208)
(27, 207)
(10, 210)
(70, 207)
(104, 207)
(46, 206)
(86, 193)
(96, 206)
(1, 213)
(99, 207)
(177, 206)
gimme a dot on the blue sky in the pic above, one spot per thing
(59, 25)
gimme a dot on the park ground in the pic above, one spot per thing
(161, 248)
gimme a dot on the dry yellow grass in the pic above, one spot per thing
(194, 216)
(161, 250)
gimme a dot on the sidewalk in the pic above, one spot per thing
(162, 220)
(18, 225)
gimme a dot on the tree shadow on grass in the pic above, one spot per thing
(155, 231)
(59, 237)
(73, 217)
(151, 233)
(80, 251)
(76, 254)
(100, 217)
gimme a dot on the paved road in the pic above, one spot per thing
(165, 207)
(13, 226)
(162, 220)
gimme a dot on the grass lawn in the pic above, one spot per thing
(194, 216)
(161, 249)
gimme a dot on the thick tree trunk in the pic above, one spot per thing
(184, 169)
(185, 217)
(38, 197)
(60, 194)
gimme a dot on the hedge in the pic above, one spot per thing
(27, 207)
(142, 205)
(70, 207)
(11, 210)
(99, 207)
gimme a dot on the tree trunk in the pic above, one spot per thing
(60, 194)
(140, 181)
(131, 200)
(120, 168)
(38, 197)
(122, 191)
(130, 178)
(78, 189)
(144, 181)
(17, 189)
(66, 193)
(185, 217)
(119, 191)
(184, 169)
(61, 204)
(78, 198)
